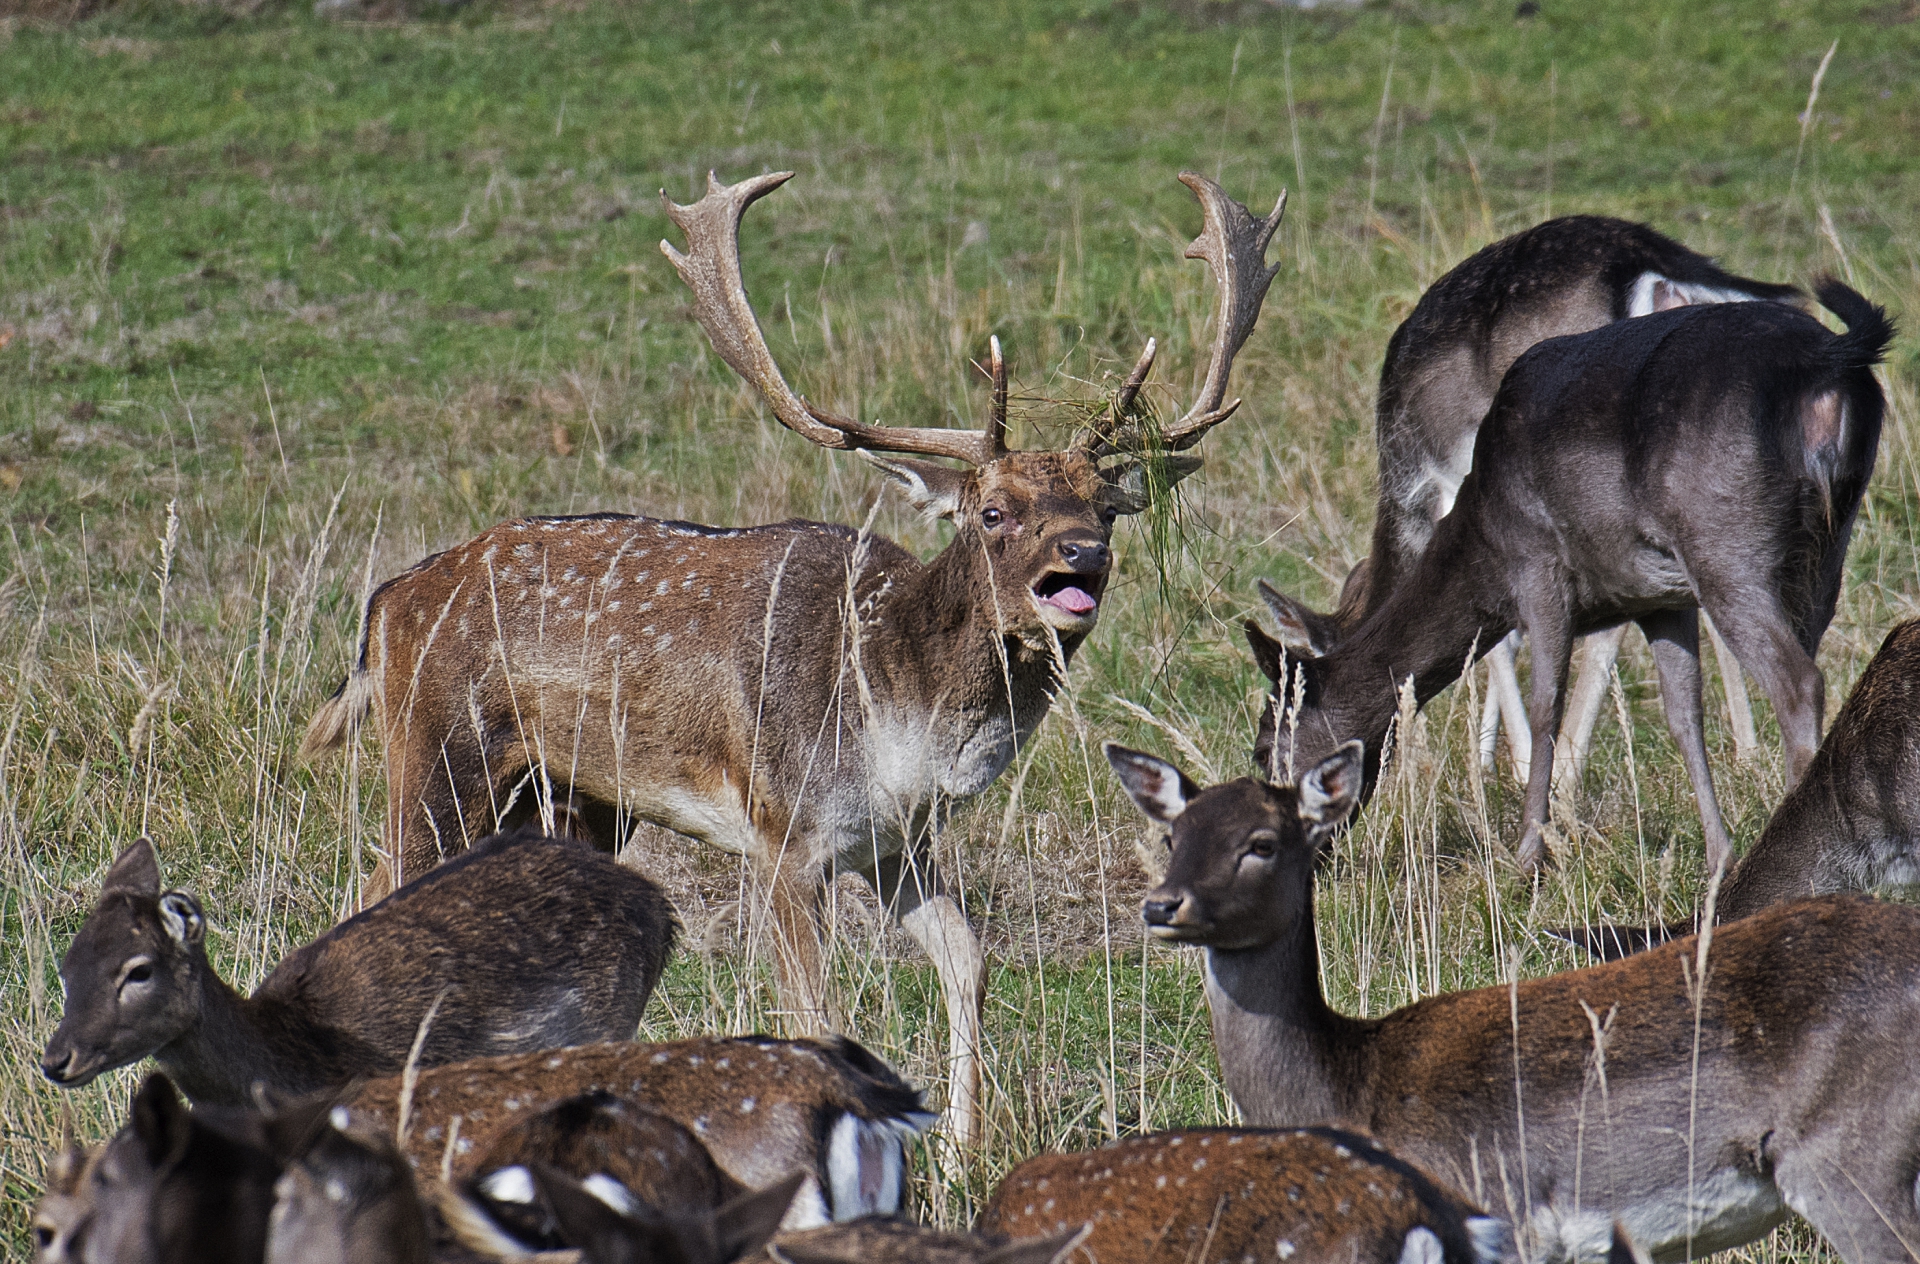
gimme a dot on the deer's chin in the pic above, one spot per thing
(1063, 620)
(1178, 933)
(1067, 602)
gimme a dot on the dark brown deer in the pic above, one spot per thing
(1246, 1194)
(1851, 823)
(1442, 368)
(346, 1196)
(802, 694)
(1708, 457)
(525, 944)
(63, 1205)
(1694, 1096)
(763, 1108)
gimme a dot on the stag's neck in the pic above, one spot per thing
(233, 1046)
(1288, 1059)
(1452, 606)
(947, 665)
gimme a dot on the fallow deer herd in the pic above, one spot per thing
(1583, 426)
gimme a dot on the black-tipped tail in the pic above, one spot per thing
(1611, 943)
(1869, 328)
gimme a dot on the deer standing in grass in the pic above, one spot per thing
(1442, 368)
(1694, 1094)
(1706, 457)
(803, 694)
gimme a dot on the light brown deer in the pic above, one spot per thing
(1696, 1093)
(763, 1108)
(1246, 1194)
(804, 694)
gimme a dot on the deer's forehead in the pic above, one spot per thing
(1229, 811)
(1062, 478)
(118, 924)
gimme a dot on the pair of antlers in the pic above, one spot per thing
(1233, 243)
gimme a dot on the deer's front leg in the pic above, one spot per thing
(793, 888)
(1549, 631)
(1674, 637)
(910, 886)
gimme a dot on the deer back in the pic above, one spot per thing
(762, 1107)
(1243, 1193)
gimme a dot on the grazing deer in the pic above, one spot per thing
(763, 1108)
(1443, 366)
(1693, 1096)
(1707, 456)
(524, 944)
(611, 1226)
(1247, 1194)
(803, 694)
(1851, 823)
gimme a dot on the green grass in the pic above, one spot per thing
(252, 263)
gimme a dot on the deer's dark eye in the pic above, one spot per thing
(1262, 844)
(991, 517)
(138, 974)
(1109, 515)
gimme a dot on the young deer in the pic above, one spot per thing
(802, 694)
(1708, 456)
(523, 944)
(1694, 1097)
(1247, 1194)
(346, 1196)
(63, 1205)
(1443, 366)
(763, 1108)
(1851, 823)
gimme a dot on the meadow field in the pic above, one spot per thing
(289, 301)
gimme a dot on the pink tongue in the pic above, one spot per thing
(1073, 601)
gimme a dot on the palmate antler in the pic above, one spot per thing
(1233, 243)
(711, 268)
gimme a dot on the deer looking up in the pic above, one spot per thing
(1442, 367)
(803, 694)
(1702, 457)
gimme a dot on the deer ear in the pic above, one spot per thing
(160, 1120)
(1129, 481)
(748, 1222)
(136, 871)
(589, 1222)
(932, 489)
(1329, 791)
(1267, 652)
(1160, 790)
(1049, 1250)
(180, 913)
(1305, 633)
(69, 1163)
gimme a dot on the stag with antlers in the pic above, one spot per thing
(804, 694)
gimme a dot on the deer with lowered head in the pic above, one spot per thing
(1247, 1194)
(525, 943)
(1442, 368)
(1852, 821)
(803, 694)
(1705, 457)
(1696, 1094)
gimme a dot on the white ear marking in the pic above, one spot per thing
(610, 1192)
(181, 918)
(509, 1185)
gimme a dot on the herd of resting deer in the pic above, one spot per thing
(1582, 425)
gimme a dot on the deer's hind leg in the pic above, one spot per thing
(1857, 1192)
(791, 885)
(1674, 637)
(1765, 639)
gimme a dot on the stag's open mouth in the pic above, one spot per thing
(1076, 596)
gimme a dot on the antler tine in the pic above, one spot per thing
(997, 414)
(1234, 244)
(711, 269)
(1103, 437)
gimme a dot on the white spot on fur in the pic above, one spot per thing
(509, 1185)
(1651, 292)
(610, 1192)
(1284, 1249)
(1421, 1247)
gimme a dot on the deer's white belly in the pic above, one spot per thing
(1728, 1207)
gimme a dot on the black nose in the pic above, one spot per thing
(1160, 910)
(55, 1067)
(1087, 556)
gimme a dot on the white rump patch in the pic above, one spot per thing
(1421, 1247)
(509, 1185)
(866, 1164)
(610, 1192)
(1492, 1239)
(1652, 292)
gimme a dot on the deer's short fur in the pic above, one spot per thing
(1708, 456)
(1569, 1102)
(526, 943)
(1851, 823)
(763, 1108)
(801, 693)
(1247, 1194)
(346, 1196)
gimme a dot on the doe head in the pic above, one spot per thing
(1241, 873)
(1295, 731)
(132, 975)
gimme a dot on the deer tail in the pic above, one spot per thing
(1869, 329)
(340, 716)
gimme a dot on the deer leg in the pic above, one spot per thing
(1763, 641)
(1739, 707)
(910, 885)
(1674, 636)
(1551, 633)
(1503, 683)
(1865, 1210)
(793, 890)
(1602, 650)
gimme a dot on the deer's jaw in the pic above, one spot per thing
(1066, 601)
